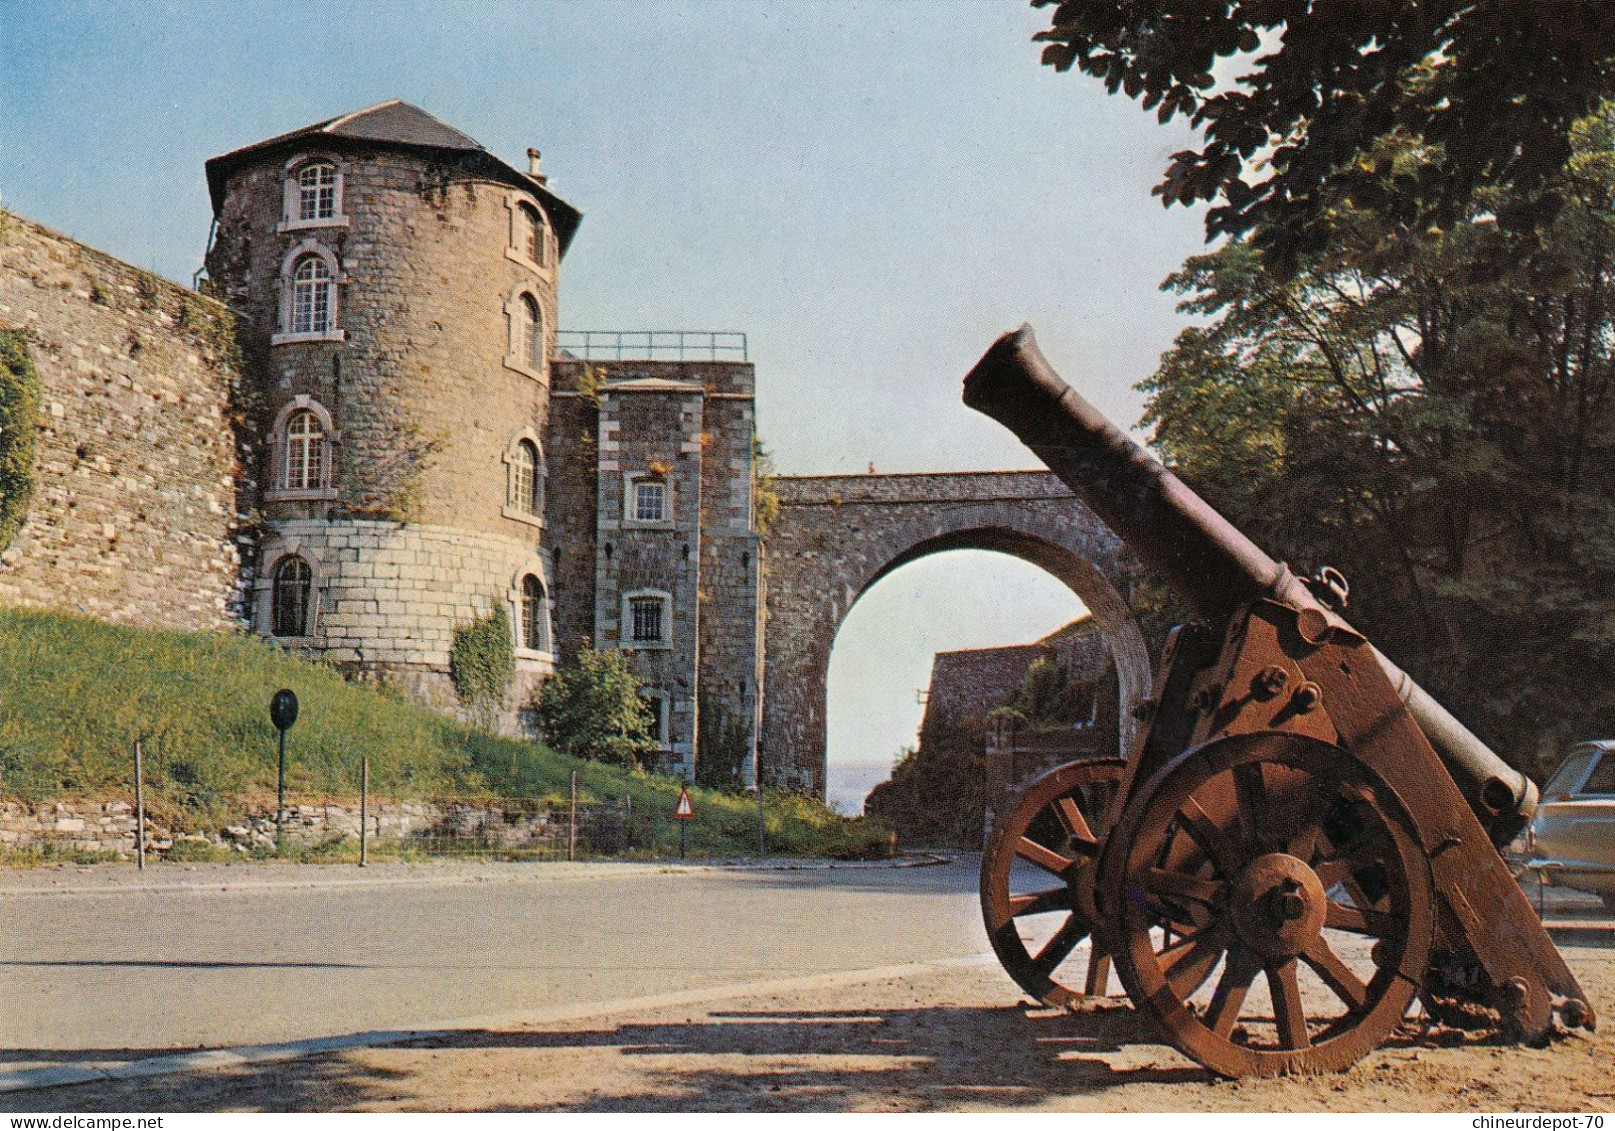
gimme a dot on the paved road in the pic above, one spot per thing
(109, 967)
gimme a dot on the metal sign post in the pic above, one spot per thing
(283, 713)
(364, 812)
(683, 813)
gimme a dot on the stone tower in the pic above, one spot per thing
(397, 291)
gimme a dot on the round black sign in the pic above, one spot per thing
(283, 709)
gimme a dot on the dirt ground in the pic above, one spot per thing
(951, 1038)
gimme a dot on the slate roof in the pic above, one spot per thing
(395, 123)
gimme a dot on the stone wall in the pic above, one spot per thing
(109, 826)
(968, 684)
(135, 515)
(387, 598)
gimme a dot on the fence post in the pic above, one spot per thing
(364, 812)
(572, 825)
(140, 811)
(627, 821)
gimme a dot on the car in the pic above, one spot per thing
(1571, 841)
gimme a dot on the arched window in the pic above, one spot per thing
(316, 191)
(532, 611)
(288, 614)
(530, 233)
(530, 333)
(302, 464)
(311, 296)
(526, 490)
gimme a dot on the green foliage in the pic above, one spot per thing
(592, 709)
(1432, 410)
(938, 789)
(482, 661)
(725, 748)
(1048, 698)
(19, 419)
(590, 381)
(1493, 88)
(75, 694)
(765, 500)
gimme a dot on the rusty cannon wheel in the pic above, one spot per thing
(1309, 897)
(1037, 878)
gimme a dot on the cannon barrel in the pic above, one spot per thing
(1201, 555)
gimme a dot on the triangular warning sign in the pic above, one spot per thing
(684, 811)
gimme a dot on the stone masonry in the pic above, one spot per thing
(134, 516)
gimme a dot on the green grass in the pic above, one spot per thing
(76, 693)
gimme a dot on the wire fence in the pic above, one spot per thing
(330, 826)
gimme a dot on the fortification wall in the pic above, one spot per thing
(134, 517)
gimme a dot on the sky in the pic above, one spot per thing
(870, 191)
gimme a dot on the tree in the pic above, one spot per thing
(1492, 88)
(593, 709)
(1434, 411)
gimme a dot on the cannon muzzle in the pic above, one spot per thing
(1199, 553)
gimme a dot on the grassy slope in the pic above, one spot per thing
(75, 693)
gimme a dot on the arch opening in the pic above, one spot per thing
(826, 554)
(883, 657)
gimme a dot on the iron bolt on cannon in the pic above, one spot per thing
(1301, 841)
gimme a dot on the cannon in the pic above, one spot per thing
(1301, 840)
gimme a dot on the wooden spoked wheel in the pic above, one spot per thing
(1037, 878)
(1308, 895)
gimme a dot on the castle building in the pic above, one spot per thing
(425, 453)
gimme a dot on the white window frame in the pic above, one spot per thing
(512, 507)
(291, 204)
(631, 482)
(287, 282)
(533, 567)
(625, 631)
(277, 491)
(264, 591)
(517, 335)
(516, 248)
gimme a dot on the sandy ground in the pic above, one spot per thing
(947, 1038)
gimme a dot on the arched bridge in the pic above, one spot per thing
(836, 535)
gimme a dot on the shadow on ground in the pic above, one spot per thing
(912, 1059)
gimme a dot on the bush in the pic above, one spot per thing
(592, 709)
(482, 664)
(19, 415)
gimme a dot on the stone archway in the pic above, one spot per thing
(838, 535)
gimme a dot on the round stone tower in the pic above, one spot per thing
(397, 291)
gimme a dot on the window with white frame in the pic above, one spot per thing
(530, 234)
(648, 499)
(648, 617)
(532, 614)
(317, 191)
(289, 597)
(526, 479)
(312, 296)
(302, 464)
(530, 333)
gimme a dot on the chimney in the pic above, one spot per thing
(532, 166)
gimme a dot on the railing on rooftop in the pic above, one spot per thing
(652, 345)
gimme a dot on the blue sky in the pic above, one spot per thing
(872, 191)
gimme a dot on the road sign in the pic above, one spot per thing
(684, 811)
